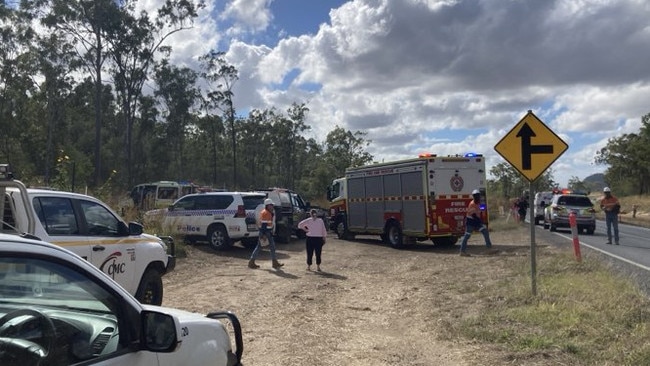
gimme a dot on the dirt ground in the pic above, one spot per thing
(371, 305)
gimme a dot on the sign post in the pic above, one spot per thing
(531, 147)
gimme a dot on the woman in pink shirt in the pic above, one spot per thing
(316, 236)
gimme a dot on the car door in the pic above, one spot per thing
(60, 224)
(112, 249)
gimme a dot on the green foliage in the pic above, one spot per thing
(626, 156)
(86, 133)
(509, 183)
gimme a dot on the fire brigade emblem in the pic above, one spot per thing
(456, 183)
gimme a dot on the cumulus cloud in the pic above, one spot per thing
(453, 75)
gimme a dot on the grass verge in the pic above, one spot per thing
(583, 314)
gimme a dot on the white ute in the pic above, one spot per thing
(89, 228)
(58, 309)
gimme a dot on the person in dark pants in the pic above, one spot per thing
(314, 227)
(612, 208)
(522, 208)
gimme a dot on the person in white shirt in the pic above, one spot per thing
(316, 236)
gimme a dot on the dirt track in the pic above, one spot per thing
(371, 305)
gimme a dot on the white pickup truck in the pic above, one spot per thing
(89, 228)
(58, 309)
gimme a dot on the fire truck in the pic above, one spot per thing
(409, 200)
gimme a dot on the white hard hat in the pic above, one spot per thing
(268, 201)
(476, 191)
(606, 189)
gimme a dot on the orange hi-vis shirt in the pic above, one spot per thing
(473, 208)
(608, 204)
(266, 217)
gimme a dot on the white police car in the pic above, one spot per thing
(58, 309)
(221, 218)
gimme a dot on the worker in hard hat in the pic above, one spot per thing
(610, 205)
(266, 223)
(473, 222)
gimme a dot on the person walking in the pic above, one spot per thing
(266, 223)
(473, 222)
(314, 227)
(610, 205)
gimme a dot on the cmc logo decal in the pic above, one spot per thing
(111, 266)
(456, 183)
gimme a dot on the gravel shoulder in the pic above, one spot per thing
(371, 305)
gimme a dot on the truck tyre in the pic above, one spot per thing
(552, 227)
(394, 235)
(249, 243)
(446, 241)
(150, 290)
(342, 231)
(283, 234)
(218, 237)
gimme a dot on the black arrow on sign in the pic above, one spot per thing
(527, 150)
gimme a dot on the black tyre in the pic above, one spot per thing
(283, 234)
(249, 243)
(394, 235)
(218, 238)
(150, 290)
(552, 227)
(301, 234)
(446, 241)
(342, 231)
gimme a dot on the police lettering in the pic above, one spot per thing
(188, 228)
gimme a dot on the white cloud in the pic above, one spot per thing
(450, 76)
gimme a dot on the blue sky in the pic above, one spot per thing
(439, 76)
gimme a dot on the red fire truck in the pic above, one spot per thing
(409, 200)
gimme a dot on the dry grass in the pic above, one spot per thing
(583, 314)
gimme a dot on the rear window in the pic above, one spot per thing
(574, 201)
(251, 202)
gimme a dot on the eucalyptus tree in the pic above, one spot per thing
(626, 157)
(344, 148)
(86, 24)
(133, 51)
(220, 77)
(19, 112)
(178, 94)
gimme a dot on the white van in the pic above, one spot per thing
(542, 199)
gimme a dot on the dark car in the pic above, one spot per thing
(556, 214)
(290, 209)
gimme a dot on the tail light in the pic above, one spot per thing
(241, 211)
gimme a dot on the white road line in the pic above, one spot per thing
(605, 252)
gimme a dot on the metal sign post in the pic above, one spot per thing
(531, 147)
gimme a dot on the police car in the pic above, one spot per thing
(58, 309)
(221, 218)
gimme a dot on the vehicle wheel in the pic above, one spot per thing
(249, 243)
(552, 227)
(301, 234)
(446, 241)
(283, 234)
(218, 238)
(150, 290)
(590, 231)
(394, 235)
(342, 231)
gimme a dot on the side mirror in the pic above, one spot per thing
(135, 228)
(159, 332)
(307, 204)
